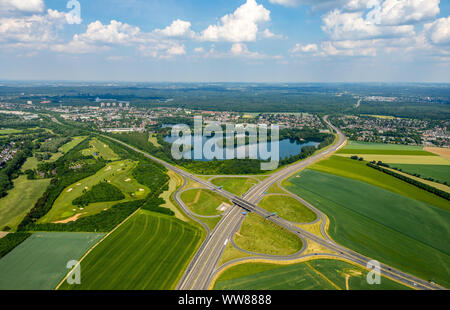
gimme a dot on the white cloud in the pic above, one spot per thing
(308, 48)
(400, 12)
(178, 28)
(241, 26)
(34, 30)
(114, 33)
(350, 26)
(176, 50)
(26, 6)
(199, 50)
(438, 31)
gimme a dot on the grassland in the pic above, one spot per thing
(356, 170)
(237, 186)
(288, 208)
(118, 173)
(397, 230)
(149, 251)
(20, 200)
(70, 145)
(39, 263)
(153, 140)
(437, 172)
(320, 274)
(203, 201)
(262, 236)
(385, 152)
(9, 131)
(98, 148)
(380, 146)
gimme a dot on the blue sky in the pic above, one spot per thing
(226, 40)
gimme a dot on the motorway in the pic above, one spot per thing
(202, 268)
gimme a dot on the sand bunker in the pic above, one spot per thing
(70, 219)
(128, 180)
(69, 190)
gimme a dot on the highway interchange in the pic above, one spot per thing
(203, 266)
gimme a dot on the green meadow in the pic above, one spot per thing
(203, 201)
(98, 148)
(148, 252)
(320, 274)
(20, 200)
(39, 263)
(237, 186)
(381, 146)
(400, 231)
(288, 208)
(259, 235)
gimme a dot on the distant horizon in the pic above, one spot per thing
(212, 82)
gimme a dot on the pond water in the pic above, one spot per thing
(287, 147)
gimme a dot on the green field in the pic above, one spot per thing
(149, 251)
(70, 145)
(394, 229)
(203, 201)
(381, 146)
(320, 274)
(357, 170)
(31, 163)
(20, 200)
(385, 152)
(237, 186)
(288, 208)
(39, 263)
(437, 172)
(100, 149)
(259, 235)
(403, 159)
(9, 131)
(117, 173)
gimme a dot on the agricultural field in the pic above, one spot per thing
(39, 263)
(357, 170)
(403, 159)
(20, 200)
(437, 172)
(262, 236)
(380, 146)
(118, 173)
(400, 231)
(149, 251)
(319, 274)
(288, 208)
(237, 186)
(98, 148)
(203, 201)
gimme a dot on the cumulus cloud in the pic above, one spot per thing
(31, 30)
(27, 6)
(240, 26)
(398, 12)
(353, 25)
(438, 32)
(178, 28)
(308, 48)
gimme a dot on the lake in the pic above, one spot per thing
(287, 147)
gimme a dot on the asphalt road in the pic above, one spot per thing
(203, 266)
